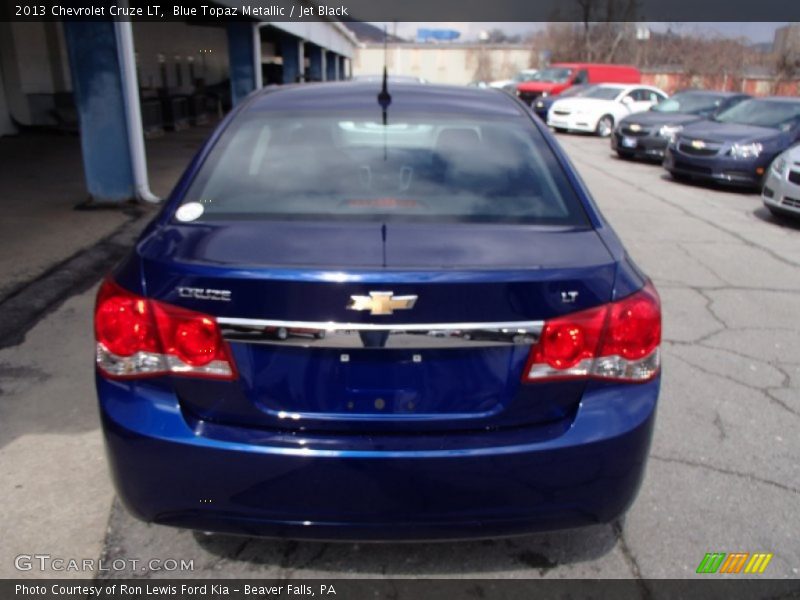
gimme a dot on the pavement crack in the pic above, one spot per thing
(724, 471)
(765, 391)
(289, 550)
(720, 426)
(240, 548)
(710, 309)
(630, 560)
(737, 236)
(779, 402)
(312, 560)
(700, 263)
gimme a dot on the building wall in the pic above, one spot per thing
(457, 64)
(34, 68)
(177, 46)
(6, 126)
(672, 81)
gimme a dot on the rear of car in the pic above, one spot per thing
(781, 192)
(378, 320)
(646, 135)
(736, 146)
(558, 77)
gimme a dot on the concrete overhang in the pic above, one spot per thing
(328, 34)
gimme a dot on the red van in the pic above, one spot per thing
(554, 79)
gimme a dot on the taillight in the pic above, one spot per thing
(618, 341)
(138, 337)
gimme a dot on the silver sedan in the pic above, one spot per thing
(781, 191)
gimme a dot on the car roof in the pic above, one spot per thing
(700, 92)
(363, 95)
(575, 65)
(625, 86)
(781, 99)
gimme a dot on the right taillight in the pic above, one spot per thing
(138, 337)
(618, 341)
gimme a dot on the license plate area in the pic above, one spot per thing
(292, 382)
(629, 142)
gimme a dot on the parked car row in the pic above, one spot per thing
(736, 146)
(647, 135)
(718, 137)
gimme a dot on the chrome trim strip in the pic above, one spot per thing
(408, 336)
(331, 326)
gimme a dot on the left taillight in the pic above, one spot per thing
(138, 337)
(619, 341)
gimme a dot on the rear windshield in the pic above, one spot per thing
(301, 166)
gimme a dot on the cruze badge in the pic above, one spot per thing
(698, 144)
(204, 294)
(381, 303)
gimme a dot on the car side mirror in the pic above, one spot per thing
(627, 100)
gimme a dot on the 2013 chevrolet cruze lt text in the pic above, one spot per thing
(372, 313)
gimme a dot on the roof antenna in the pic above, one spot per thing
(385, 98)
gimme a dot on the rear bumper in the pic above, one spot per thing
(718, 169)
(171, 470)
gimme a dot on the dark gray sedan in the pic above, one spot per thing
(646, 135)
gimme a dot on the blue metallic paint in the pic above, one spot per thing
(471, 464)
(722, 167)
(481, 483)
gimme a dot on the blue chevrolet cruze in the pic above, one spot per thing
(377, 314)
(736, 146)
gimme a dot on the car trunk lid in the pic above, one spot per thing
(308, 360)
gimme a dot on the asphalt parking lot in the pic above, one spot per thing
(724, 470)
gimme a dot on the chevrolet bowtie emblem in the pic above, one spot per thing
(381, 303)
(698, 144)
(635, 127)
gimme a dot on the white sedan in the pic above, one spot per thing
(781, 192)
(599, 110)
